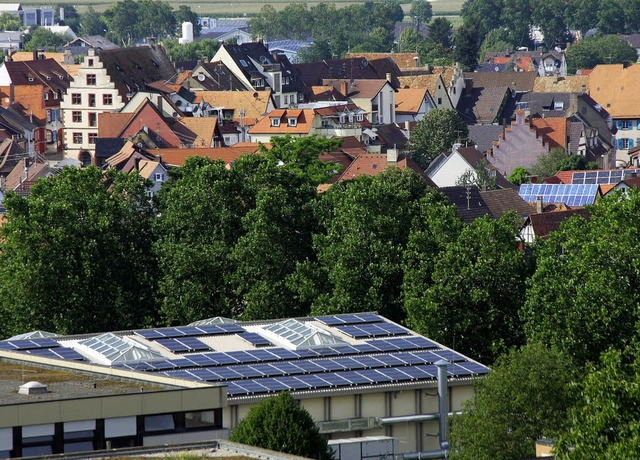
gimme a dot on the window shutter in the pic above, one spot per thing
(630, 143)
(619, 124)
(619, 144)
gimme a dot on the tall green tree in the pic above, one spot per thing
(605, 420)
(497, 40)
(71, 16)
(359, 251)
(478, 289)
(583, 295)
(436, 133)
(122, 22)
(10, 22)
(200, 214)
(41, 38)
(155, 19)
(467, 45)
(184, 13)
(549, 16)
(76, 255)
(608, 49)
(279, 424)
(484, 14)
(582, 15)
(610, 17)
(441, 31)
(516, 18)
(421, 11)
(522, 399)
(91, 23)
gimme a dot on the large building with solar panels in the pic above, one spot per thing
(358, 375)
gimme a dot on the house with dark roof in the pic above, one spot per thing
(484, 105)
(14, 126)
(483, 136)
(81, 45)
(357, 68)
(259, 70)
(542, 224)
(447, 168)
(36, 88)
(214, 76)
(472, 203)
(544, 63)
(107, 80)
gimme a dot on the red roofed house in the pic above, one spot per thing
(372, 164)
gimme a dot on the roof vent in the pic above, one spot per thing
(33, 388)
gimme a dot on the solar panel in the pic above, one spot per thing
(373, 330)
(255, 339)
(189, 331)
(577, 194)
(183, 345)
(361, 318)
(28, 344)
(57, 352)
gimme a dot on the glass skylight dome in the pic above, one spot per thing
(300, 335)
(109, 348)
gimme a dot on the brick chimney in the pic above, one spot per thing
(344, 88)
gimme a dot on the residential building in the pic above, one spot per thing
(542, 224)
(404, 61)
(315, 73)
(472, 203)
(225, 29)
(214, 76)
(613, 87)
(485, 106)
(199, 381)
(377, 98)
(81, 45)
(544, 63)
(412, 104)
(107, 80)
(258, 70)
(11, 41)
(290, 48)
(372, 164)
(37, 87)
(434, 84)
(176, 157)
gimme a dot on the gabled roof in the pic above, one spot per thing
(131, 69)
(483, 105)
(45, 72)
(468, 202)
(568, 84)
(372, 164)
(177, 157)
(409, 100)
(324, 93)
(360, 89)
(428, 81)
(25, 170)
(505, 200)
(552, 130)
(520, 81)
(254, 103)
(547, 222)
(313, 73)
(93, 41)
(217, 77)
(203, 128)
(391, 136)
(303, 125)
(402, 60)
(615, 87)
(484, 135)
(547, 104)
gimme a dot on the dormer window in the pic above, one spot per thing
(275, 122)
(359, 117)
(244, 63)
(30, 78)
(350, 118)
(343, 118)
(292, 122)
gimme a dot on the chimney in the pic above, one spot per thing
(137, 163)
(539, 205)
(344, 88)
(573, 104)
(389, 77)
(35, 55)
(455, 147)
(159, 103)
(392, 155)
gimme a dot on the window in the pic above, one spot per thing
(439, 101)
(343, 118)
(359, 117)
(292, 122)
(292, 99)
(275, 122)
(91, 79)
(76, 116)
(203, 419)
(76, 98)
(48, 116)
(92, 100)
(624, 124)
(93, 119)
(46, 96)
(90, 62)
(107, 99)
(55, 95)
(159, 423)
(77, 138)
(92, 138)
(625, 143)
(159, 177)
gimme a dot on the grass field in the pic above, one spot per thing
(449, 8)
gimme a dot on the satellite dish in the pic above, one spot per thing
(255, 95)
(201, 77)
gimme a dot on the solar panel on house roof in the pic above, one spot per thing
(611, 176)
(569, 194)
(28, 344)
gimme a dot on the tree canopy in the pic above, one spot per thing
(76, 255)
(279, 424)
(435, 134)
(521, 400)
(592, 51)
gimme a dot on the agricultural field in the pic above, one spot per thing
(449, 8)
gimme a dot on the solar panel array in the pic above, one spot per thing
(183, 344)
(376, 362)
(255, 339)
(42, 347)
(569, 194)
(611, 176)
(337, 320)
(373, 330)
(189, 331)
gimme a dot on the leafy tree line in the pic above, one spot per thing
(87, 252)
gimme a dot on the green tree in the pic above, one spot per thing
(467, 44)
(41, 38)
(582, 15)
(202, 49)
(549, 163)
(279, 424)
(366, 223)
(71, 16)
(610, 17)
(549, 16)
(484, 14)
(497, 40)
(184, 13)
(435, 54)
(440, 31)
(516, 18)
(421, 11)
(477, 292)
(156, 19)
(91, 23)
(436, 133)
(76, 255)
(410, 41)
(606, 416)
(592, 51)
(522, 399)
(568, 304)
(122, 22)
(10, 22)
(519, 176)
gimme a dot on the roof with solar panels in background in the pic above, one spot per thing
(334, 353)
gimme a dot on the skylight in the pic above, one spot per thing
(300, 335)
(214, 320)
(109, 348)
(33, 335)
